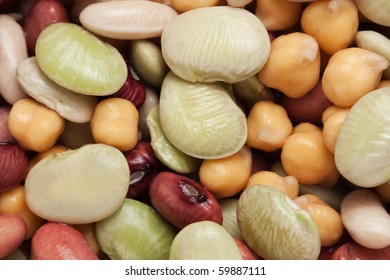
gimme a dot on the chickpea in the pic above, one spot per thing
(333, 119)
(327, 219)
(332, 23)
(115, 122)
(268, 126)
(288, 184)
(293, 66)
(278, 15)
(305, 156)
(14, 202)
(226, 177)
(34, 126)
(350, 74)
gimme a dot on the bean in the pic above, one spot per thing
(13, 50)
(293, 66)
(12, 233)
(324, 19)
(226, 176)
(115, 122)
(268, 126)
(366, 219)
(332, 118)
(34, 126)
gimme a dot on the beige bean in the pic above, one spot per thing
(13, 50)
(366, 219)
(70, 105)
(127, 19)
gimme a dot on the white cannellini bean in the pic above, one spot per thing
(13, 50)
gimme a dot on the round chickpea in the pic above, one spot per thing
(288, 184)
(34, 126)
(14, 202)
(332, 119)
(115, 122)
(278, 15)
(293, 66)
(352, 73)
(305, 156)
(268, 126)
(184, 5)
(327, 219)
(334, 23)
(226, 177)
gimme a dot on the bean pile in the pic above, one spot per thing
(219, 129)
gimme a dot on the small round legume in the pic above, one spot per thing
(34, 126)
(293, 66)
(115, 122)
(268, 126)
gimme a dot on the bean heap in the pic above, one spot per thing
(182, 130)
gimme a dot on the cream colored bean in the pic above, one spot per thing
(72, 106)
(377, 11)
(366, 219)
(376, 42)
(127, 19)
(13, 50)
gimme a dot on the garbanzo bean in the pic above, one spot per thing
(350, 74)
(14, 202)
(278, 15)
(115, 122)
(305, 156)
(333, 23)
(185, 5)
(333, 119)
(293, 66)
(327, 219)
(268, 126)
(288, 184)
(226, 176)
(34, 126)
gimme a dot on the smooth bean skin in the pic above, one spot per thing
(12, 233)
(115, 122)
(35, 126)
(13, 202)
(13, 50)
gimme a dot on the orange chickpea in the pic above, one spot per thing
(352, 73)
(305, 156)
(268, 126)
(278, 15)
(288, 184)
(53, 150)
(226, 177)
(333, 119)
(34, 126)
(327, 219)
(115, 122)
(332, 23)
(293, 66)
(13, 202)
